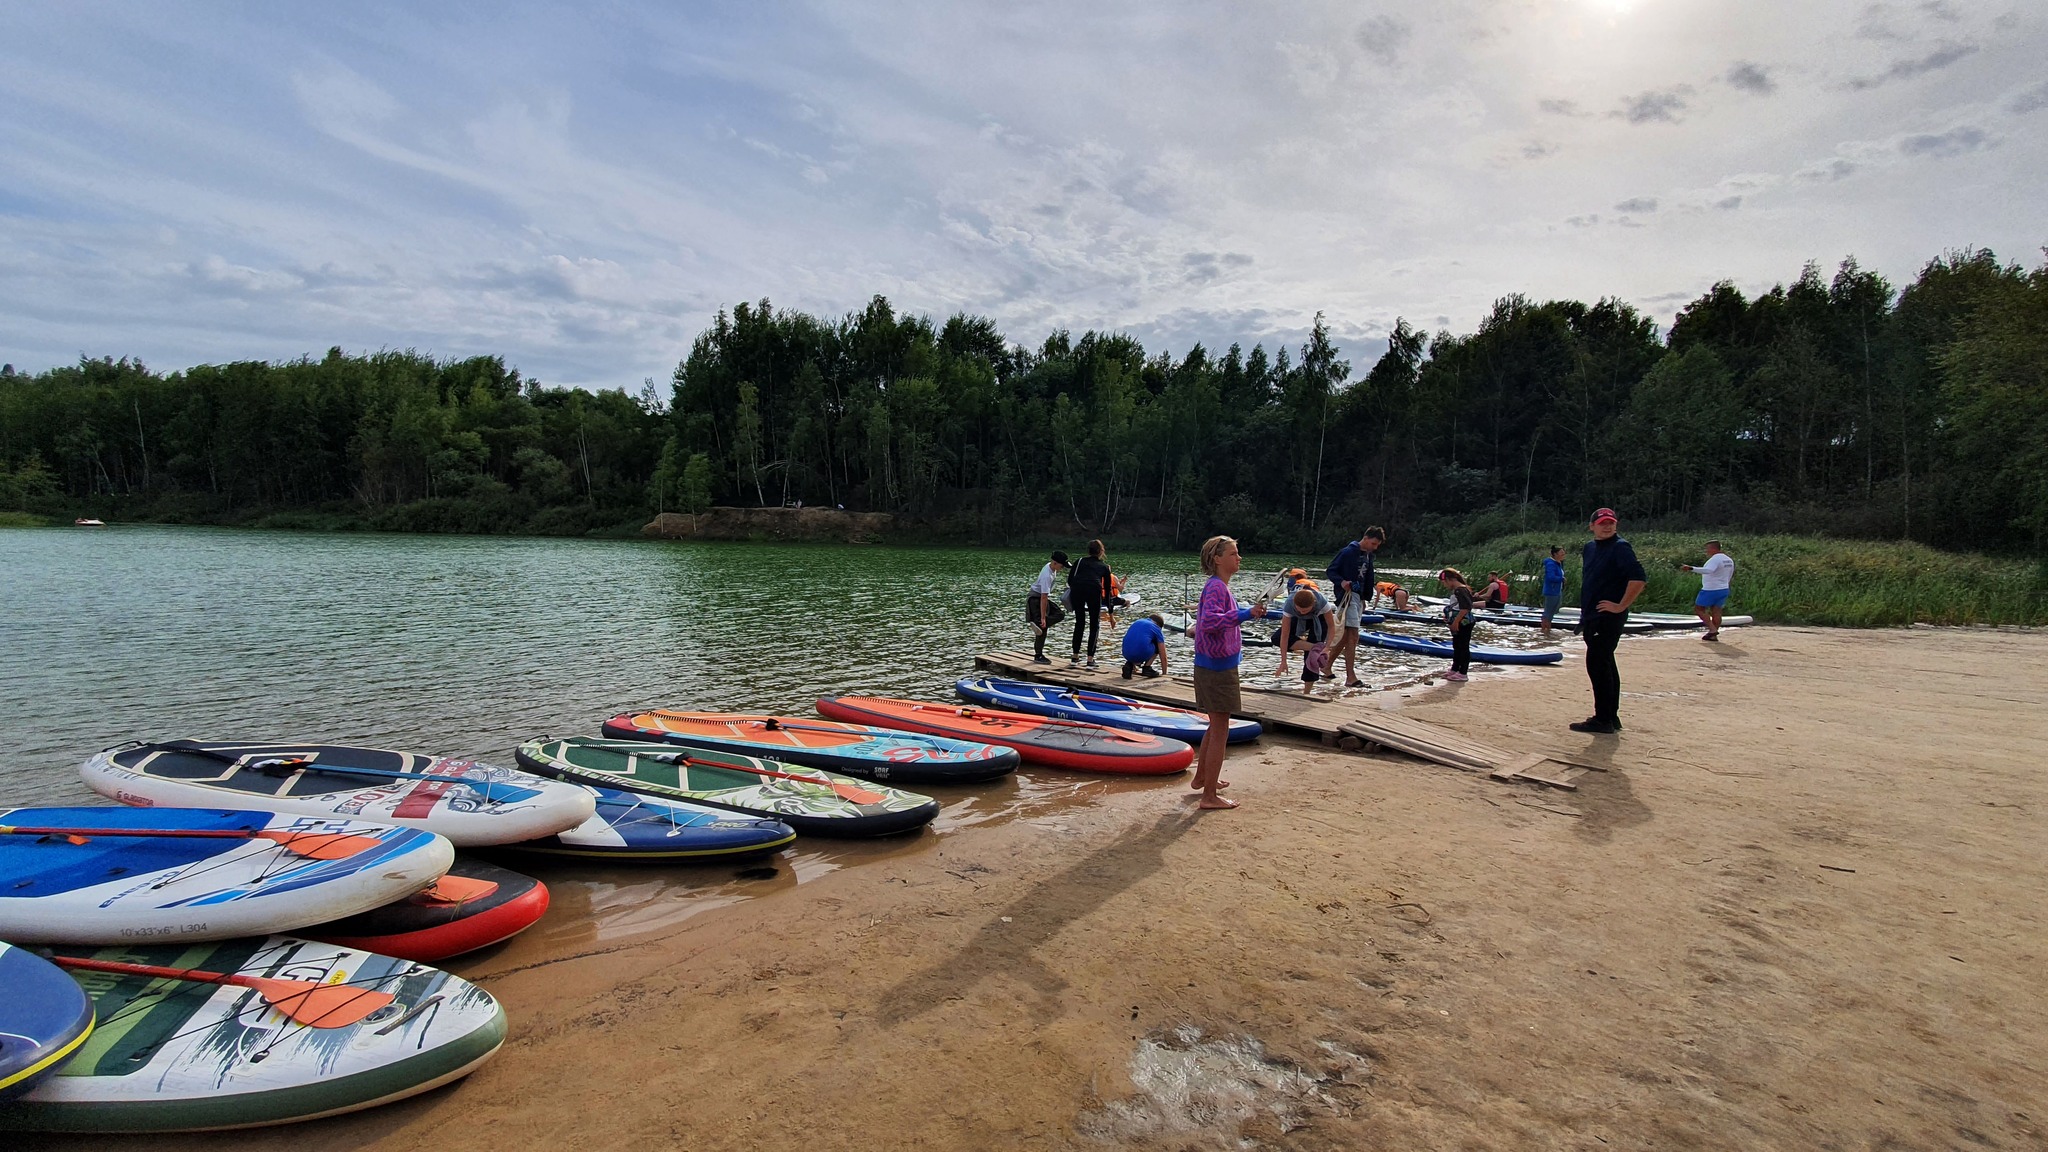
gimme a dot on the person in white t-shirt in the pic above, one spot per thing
(1042, 607)
(1715, 576)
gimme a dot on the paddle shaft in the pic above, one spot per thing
(313, 845)
(308, 1002)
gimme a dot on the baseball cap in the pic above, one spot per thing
(1605, 514)
(1059, 558)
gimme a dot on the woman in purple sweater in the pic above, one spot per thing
(1218, 648)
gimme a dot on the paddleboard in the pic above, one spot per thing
(855, 749)
(241, 874)
(1104, 708)
(1044, 740)
(811, 800)
(474, 906)
(471, 803)
(175, 1055)
(1656, 621)
(44, 1018)
(1442, 648)
(633, 826)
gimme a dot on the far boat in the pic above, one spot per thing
(84, 522)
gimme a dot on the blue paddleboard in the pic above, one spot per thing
(632, 826)
(44, 1017)
(1442, 648)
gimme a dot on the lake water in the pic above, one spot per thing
(470, 645)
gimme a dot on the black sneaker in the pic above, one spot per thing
(1595, 727)
(1040, 659)
(1148, 670)
(1127, 669)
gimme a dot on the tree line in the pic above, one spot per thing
(1835, 404)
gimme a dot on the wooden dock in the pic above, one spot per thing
(1348, 725)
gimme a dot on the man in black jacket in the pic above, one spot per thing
(1610, 579)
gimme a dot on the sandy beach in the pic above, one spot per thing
(1803, 908)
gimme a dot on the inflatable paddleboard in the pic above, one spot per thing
(1044, 740)
(633, 826)
(173, 1055)
(115, 875)
(474, 906)
(855, 749)
(1106, 709)
(1442, 648)
(471, 803)
(44, 1017)
(811, 800)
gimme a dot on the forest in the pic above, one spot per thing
(1840, 405)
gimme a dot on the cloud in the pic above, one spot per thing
(1206, 267)
(1944, 54)
(1942, 10)
(2032, 98)
(1654, 106)
(1827, 171)
(1643, 204)
(1728, 204)
(1383, 37)
(1586, 221)
(1557, 107)
(1954, 142)
(1539, 149)
(1751, 78)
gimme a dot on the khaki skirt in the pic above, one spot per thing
(1216, 691)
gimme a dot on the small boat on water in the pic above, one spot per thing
(86, 522)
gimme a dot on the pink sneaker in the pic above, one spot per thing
(1456, 677)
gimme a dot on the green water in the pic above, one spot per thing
(470, 645)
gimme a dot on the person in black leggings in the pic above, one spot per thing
(1610, 579)
(1089, 583)
(1458, 614)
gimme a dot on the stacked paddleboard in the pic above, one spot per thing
(1047, 740)
(869, 751)
(1106, 709)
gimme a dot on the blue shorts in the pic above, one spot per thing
(1551, 602)
(1714, 599)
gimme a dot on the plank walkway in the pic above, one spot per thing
(1339, 724)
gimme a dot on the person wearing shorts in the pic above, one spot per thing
(1553, 586)
(1715, 576)
(1042, 608)
(1219, 647)
(1351, 582)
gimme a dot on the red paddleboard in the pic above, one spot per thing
(1044, 740)
(473, 906)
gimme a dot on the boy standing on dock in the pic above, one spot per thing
(1351, 584)
(1715, 577)
(1041, 607)
(1610, 579)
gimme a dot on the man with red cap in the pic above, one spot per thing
(1610, 579)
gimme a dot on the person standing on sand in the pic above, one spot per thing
(1553, 586)
(1041, 607)
(1089, 582)
(1715, 576)
(1219, 646)
(1351, 584)
(1610, 579)
(1458, 614)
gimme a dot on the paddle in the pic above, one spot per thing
(277, 766)
(307, 1002)
(312, 845)
(850, 792)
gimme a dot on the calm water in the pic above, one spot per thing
(470, 645)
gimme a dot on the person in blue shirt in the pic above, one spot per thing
(1553, 586)
(1610, 579)
(1144, 641)
(1351, 585)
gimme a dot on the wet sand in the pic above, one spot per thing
(1803, 909)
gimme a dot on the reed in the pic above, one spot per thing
(1802, 579)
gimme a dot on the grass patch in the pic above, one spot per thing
(1802, 579)
(24, 520)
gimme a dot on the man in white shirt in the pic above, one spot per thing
(1715, 576)
(1042, 607)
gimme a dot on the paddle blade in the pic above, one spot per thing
(320, 845)
(316, 1005)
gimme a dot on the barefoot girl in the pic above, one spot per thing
(1218, 648)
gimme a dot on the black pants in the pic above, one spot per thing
(1087, 618)
(1603, 632)
(1053, 615)
(1461, 647)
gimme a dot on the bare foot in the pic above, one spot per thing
(1213, 802)
(1219, 784)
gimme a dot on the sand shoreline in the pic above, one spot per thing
(1802, 909)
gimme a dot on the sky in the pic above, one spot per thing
(579, 188)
